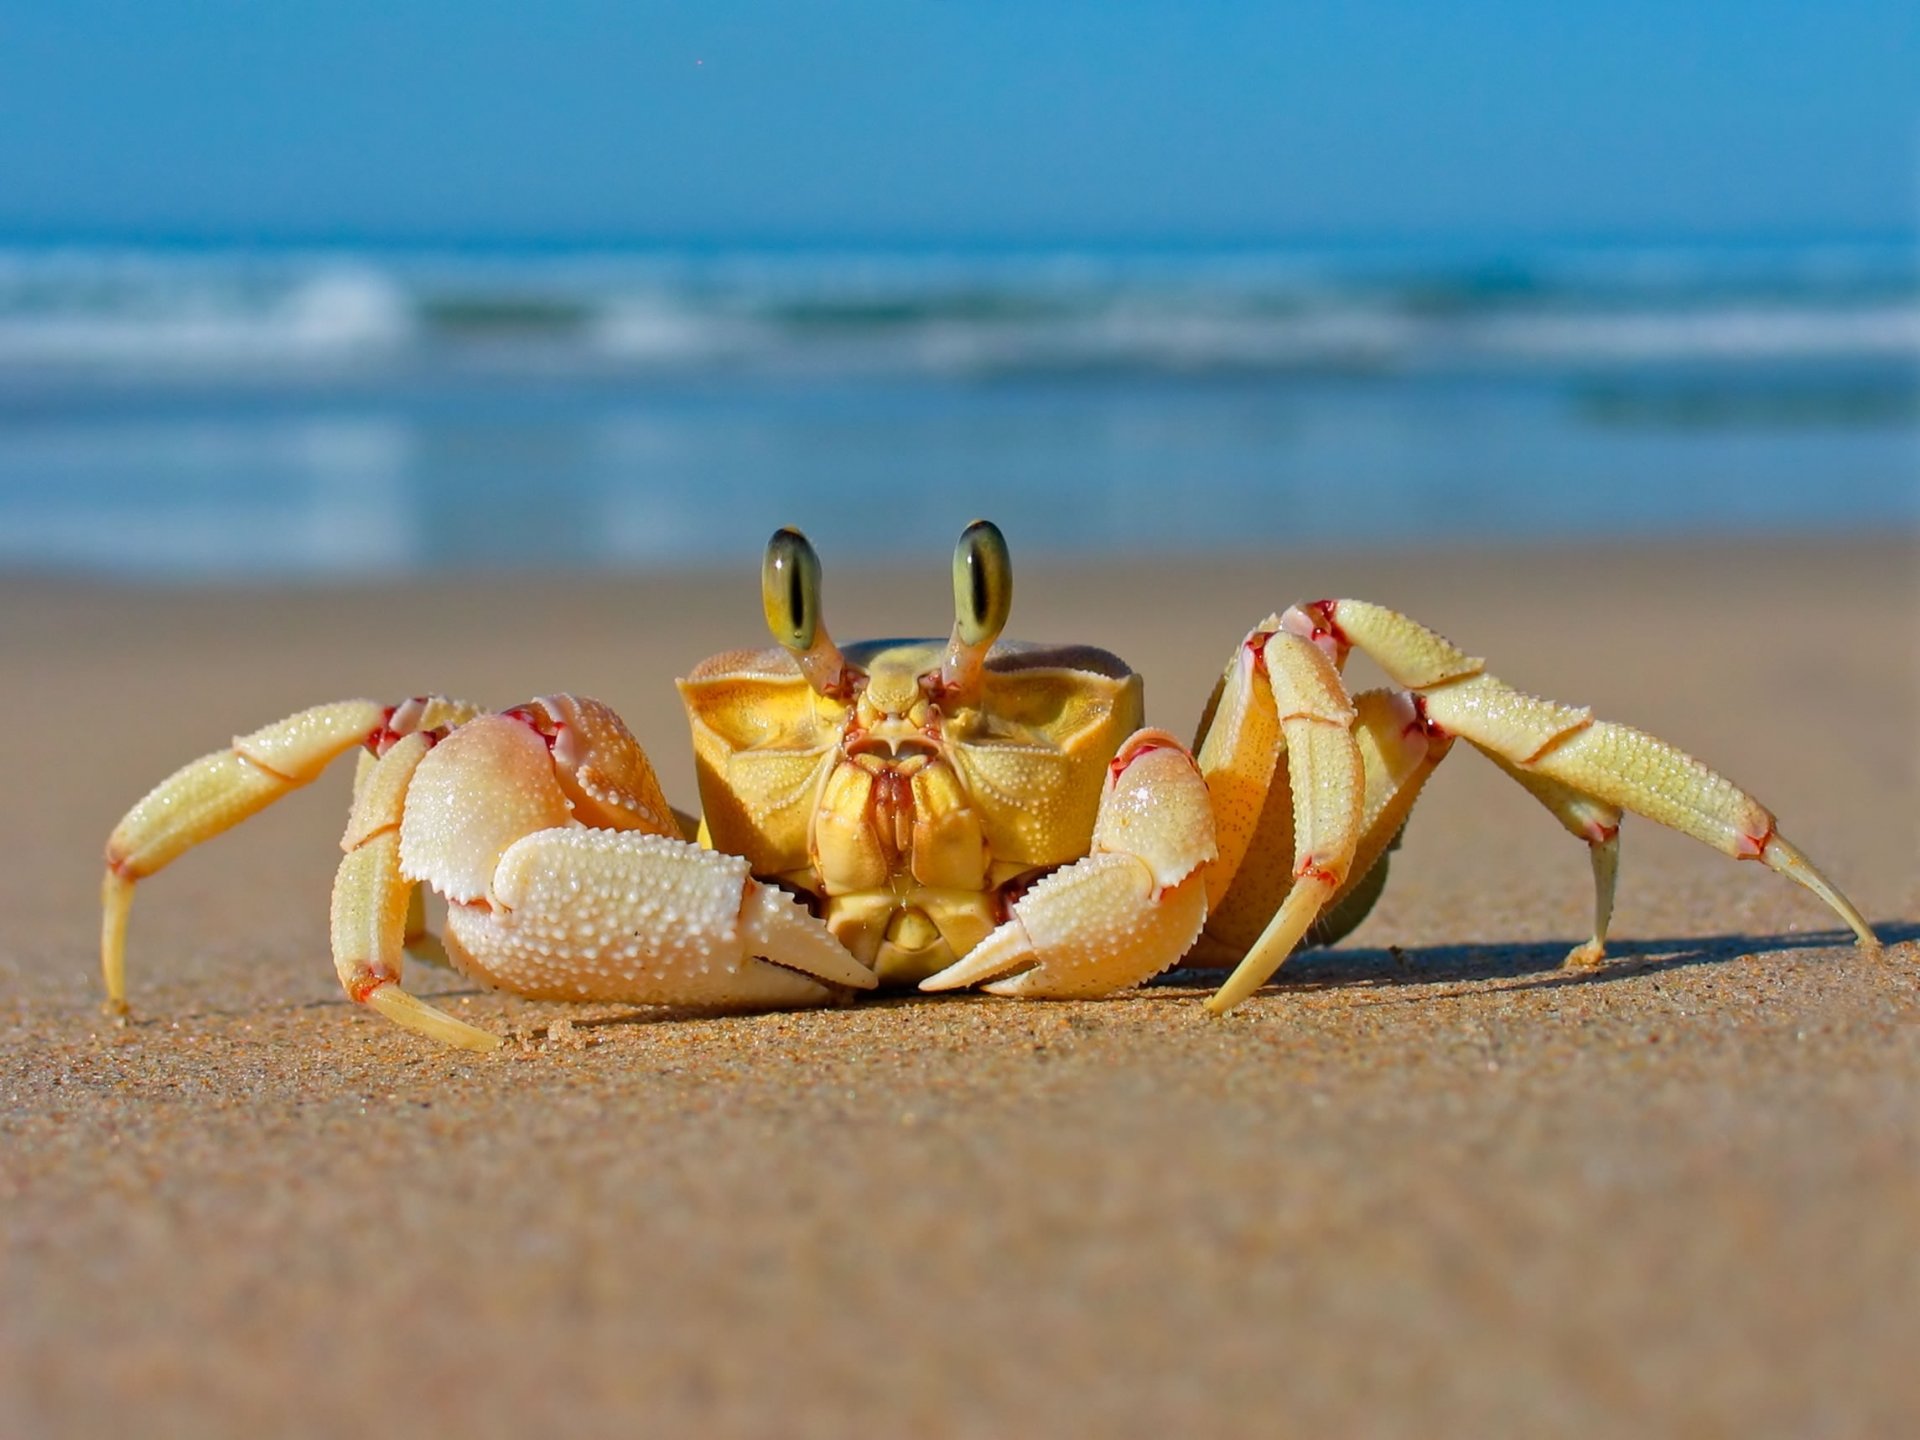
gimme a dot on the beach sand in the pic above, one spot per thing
(1429, 1185)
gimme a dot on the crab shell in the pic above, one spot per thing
(908, 814)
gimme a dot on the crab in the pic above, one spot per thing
(939, 814)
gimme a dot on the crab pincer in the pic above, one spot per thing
(1127, 911)
(547, 907)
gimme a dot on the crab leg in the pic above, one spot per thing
(1590, 760)
(1397, 754)
(1126, 911)
(213, 794)
(372, 901)
(218, 791)
(418, 942)
(1587, 818)
(1325, 772)
(1398, 751)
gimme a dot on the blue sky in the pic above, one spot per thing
(1010, 120)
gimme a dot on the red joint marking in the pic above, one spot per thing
(547, 730)
(1598, 834)
(1257, 645)
(1423, 722)
(381, 738)
(364, 983)
(1312, 869)
(121, 865)
(1117, 766)
(1752, 847)
(1322, 612)
(845, 686)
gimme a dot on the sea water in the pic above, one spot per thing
(338, 412)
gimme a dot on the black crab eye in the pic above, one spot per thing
(982, 584)
(790, 589)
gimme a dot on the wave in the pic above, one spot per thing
(951, 314)
(137, 315)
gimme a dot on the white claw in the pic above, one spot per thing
(1121, 915)
(644, 919)
(1097, 926)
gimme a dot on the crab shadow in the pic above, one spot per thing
(1533, 966)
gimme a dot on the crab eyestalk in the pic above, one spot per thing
(982, 600)
(790, 595)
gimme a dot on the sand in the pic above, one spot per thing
(1430, 1185)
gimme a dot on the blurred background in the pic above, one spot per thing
(332, 291)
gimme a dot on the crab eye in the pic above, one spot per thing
(790, 589)
(790, 594)
(982, 585)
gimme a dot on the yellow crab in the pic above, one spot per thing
(945, 814)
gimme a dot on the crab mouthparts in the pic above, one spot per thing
(906, 744)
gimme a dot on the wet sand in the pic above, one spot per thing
(1429, 1185)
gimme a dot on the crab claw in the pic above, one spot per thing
(1127, 911)
(551, 909)
(647, 920)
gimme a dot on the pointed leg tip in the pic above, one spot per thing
(1589, 956)
(1777, 855)
(412, 1013)
(1239, 988)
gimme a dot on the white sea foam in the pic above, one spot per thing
(954, 313)
(654, 330)
(131, 315)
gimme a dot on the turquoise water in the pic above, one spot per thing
(338, 413)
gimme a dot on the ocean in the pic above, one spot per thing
(332, 413)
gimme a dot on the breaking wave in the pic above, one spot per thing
(951, 314)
